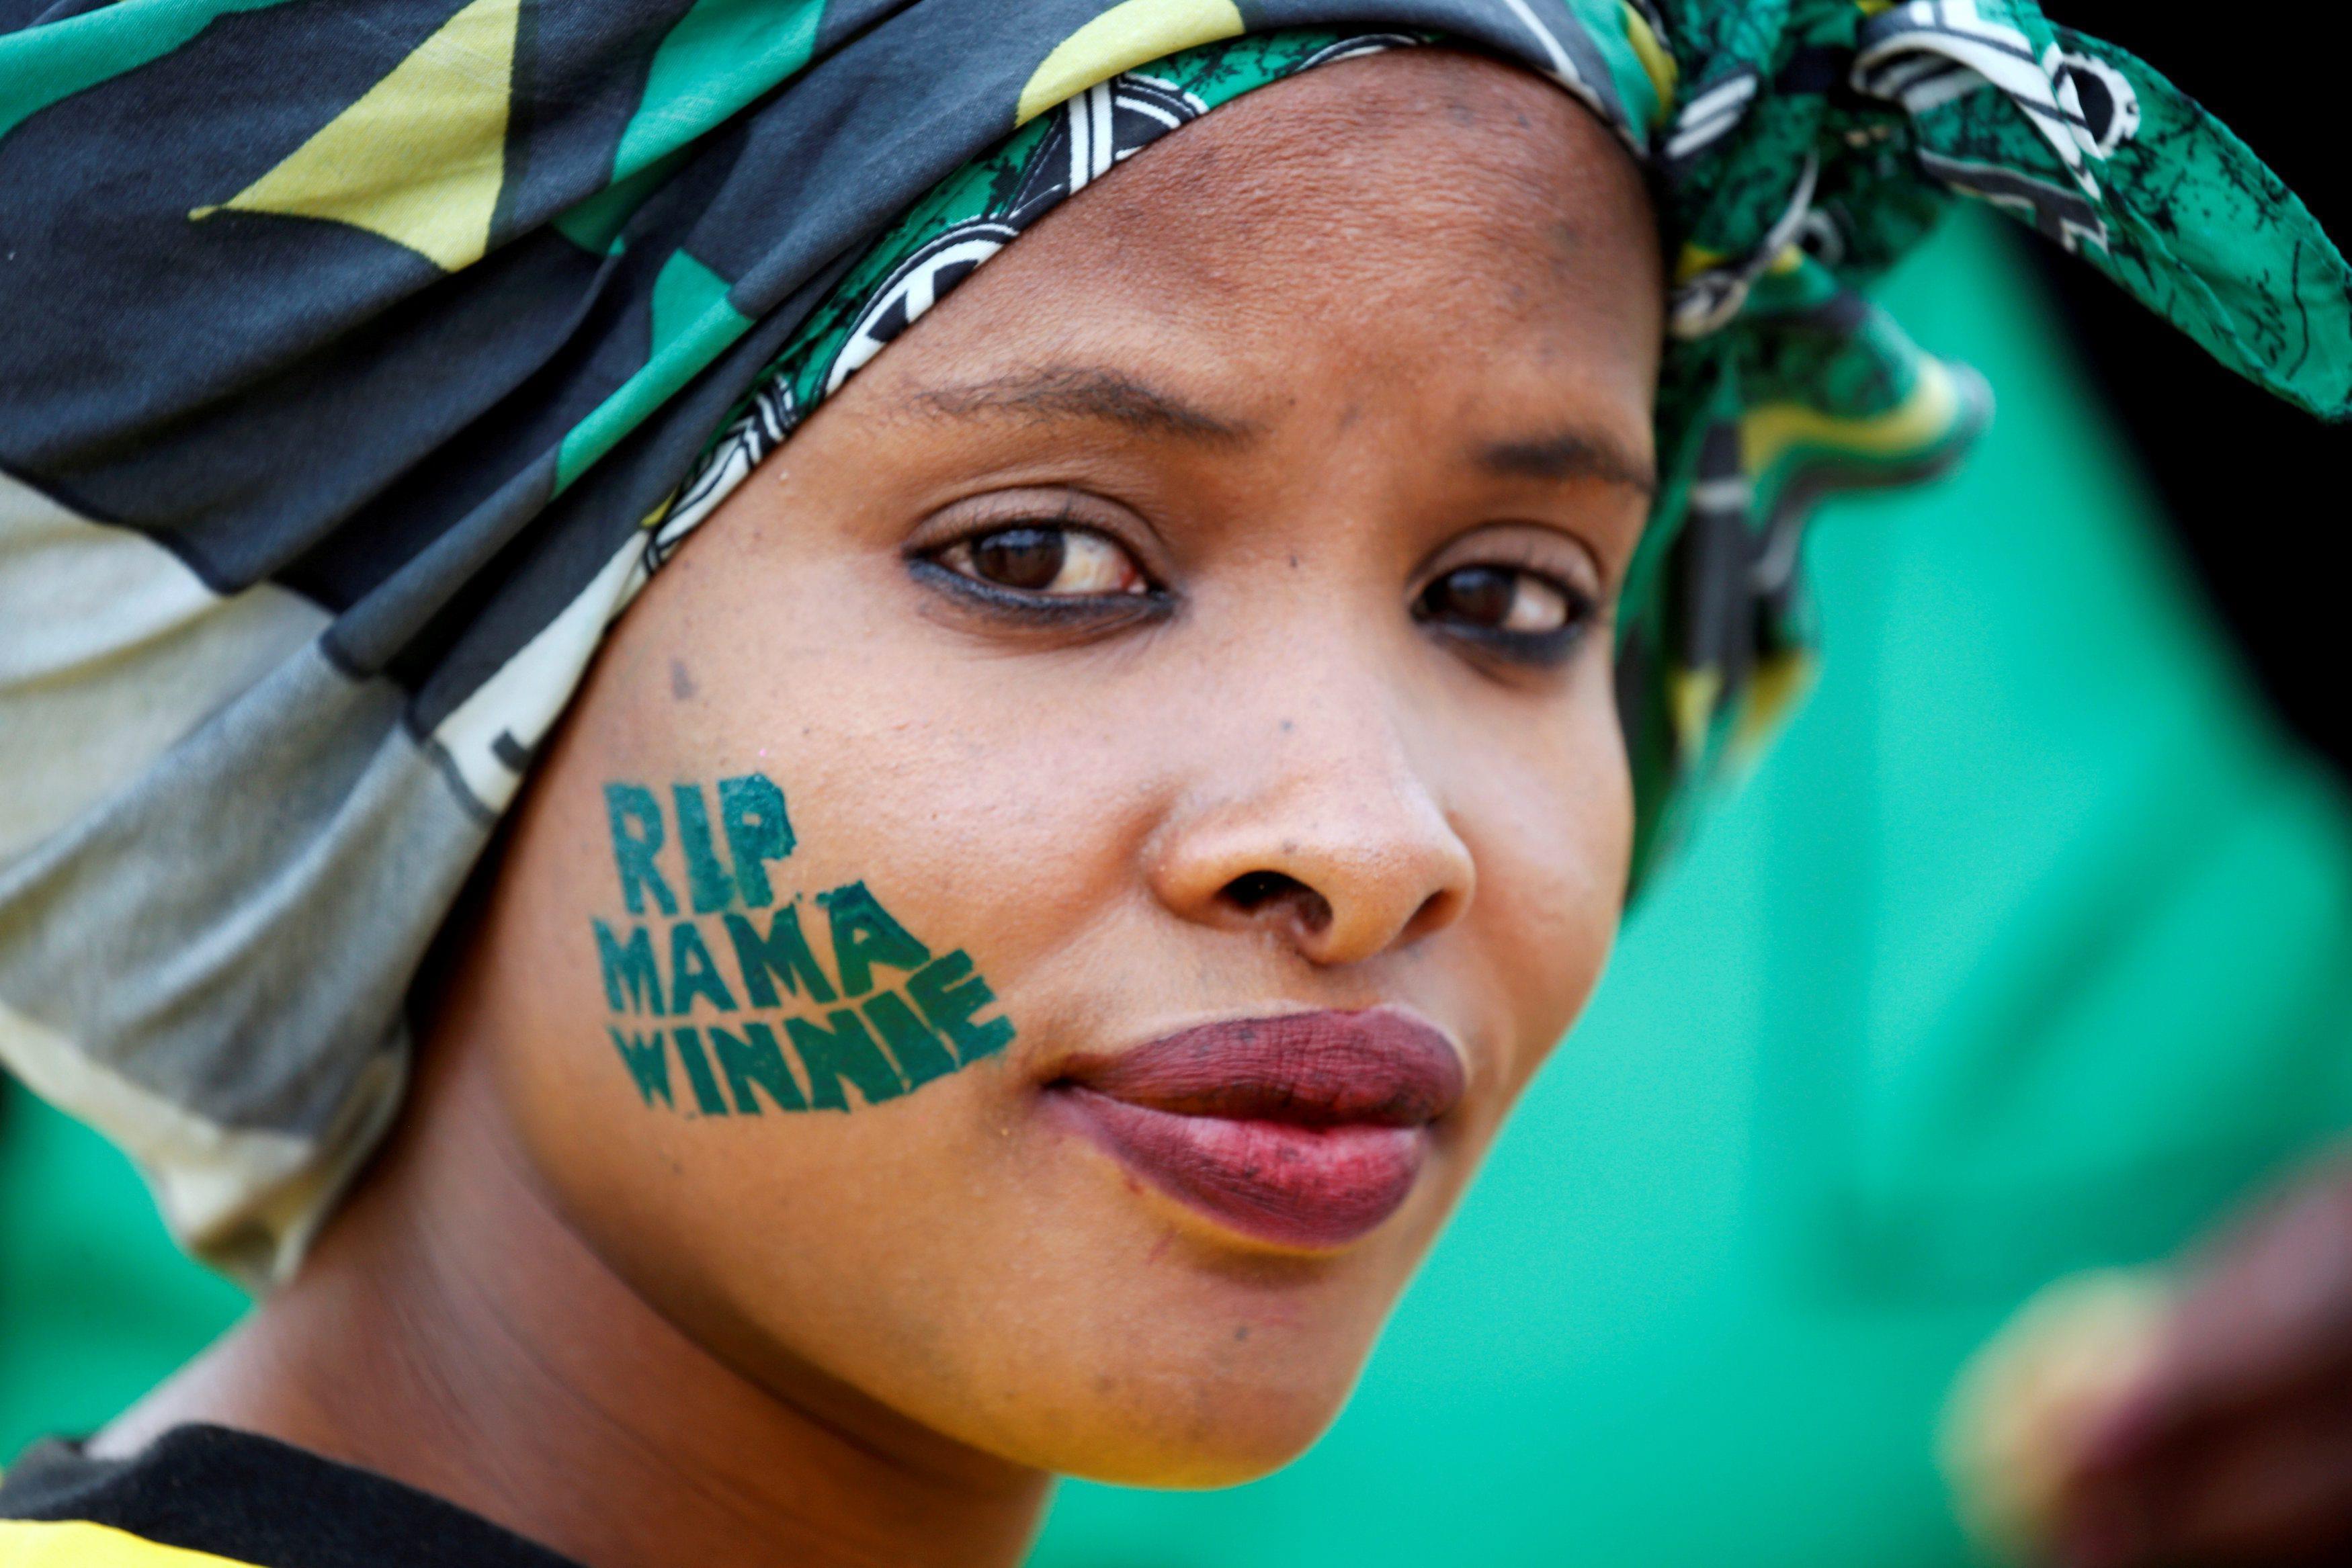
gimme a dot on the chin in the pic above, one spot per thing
(1211, 1435)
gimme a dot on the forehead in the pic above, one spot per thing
(1417, 208)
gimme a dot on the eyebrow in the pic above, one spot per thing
(1569, 455)
(1086, 391)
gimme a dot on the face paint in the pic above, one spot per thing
(875, 1016)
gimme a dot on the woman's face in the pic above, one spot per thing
(1139, 768)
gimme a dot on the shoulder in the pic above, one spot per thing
(206, 1497)
(59, 1508)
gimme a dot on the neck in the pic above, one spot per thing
(452, 1332)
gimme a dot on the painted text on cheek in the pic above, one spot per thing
(877, 1015)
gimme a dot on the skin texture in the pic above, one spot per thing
(1301, 359)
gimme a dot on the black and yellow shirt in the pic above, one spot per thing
(204, 1496)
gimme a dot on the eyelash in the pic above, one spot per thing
(1108, 612)
(1076, 612)
(1535, 650)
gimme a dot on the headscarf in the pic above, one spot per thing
(363, 359)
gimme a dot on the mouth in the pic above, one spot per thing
(1304, 1129)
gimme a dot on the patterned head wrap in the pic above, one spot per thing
(363, 359)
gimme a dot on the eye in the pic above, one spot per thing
(1049, 560)
(1503, 602)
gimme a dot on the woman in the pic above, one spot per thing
(1024, 930)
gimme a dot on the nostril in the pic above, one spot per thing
(1438, 909)
(1256, 892)
(1256, 889)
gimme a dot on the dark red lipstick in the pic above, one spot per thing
(1305, 1130)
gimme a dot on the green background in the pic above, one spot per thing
(2028, 948)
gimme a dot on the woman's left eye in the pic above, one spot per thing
(1503, 602)
(1064, 562)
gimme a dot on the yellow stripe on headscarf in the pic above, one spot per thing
(1691, 697)
(1696, 259)
(1132, 33)
(1776, 685)
(1656, 64)
(421, 157)
(1768, 431)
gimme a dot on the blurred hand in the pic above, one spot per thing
(2230, 1445)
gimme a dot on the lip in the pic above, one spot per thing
(1304, 1129)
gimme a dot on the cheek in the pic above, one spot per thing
(985, 791)
(1553, 841)
(889, 787)
(999, 821)
(770, 813)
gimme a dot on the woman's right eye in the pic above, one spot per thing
(1048, 560)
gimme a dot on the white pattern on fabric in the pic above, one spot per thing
(1092, 133)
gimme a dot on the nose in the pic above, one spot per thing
(1324, 835)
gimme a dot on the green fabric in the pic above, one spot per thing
(65, 60)
(717, 59)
